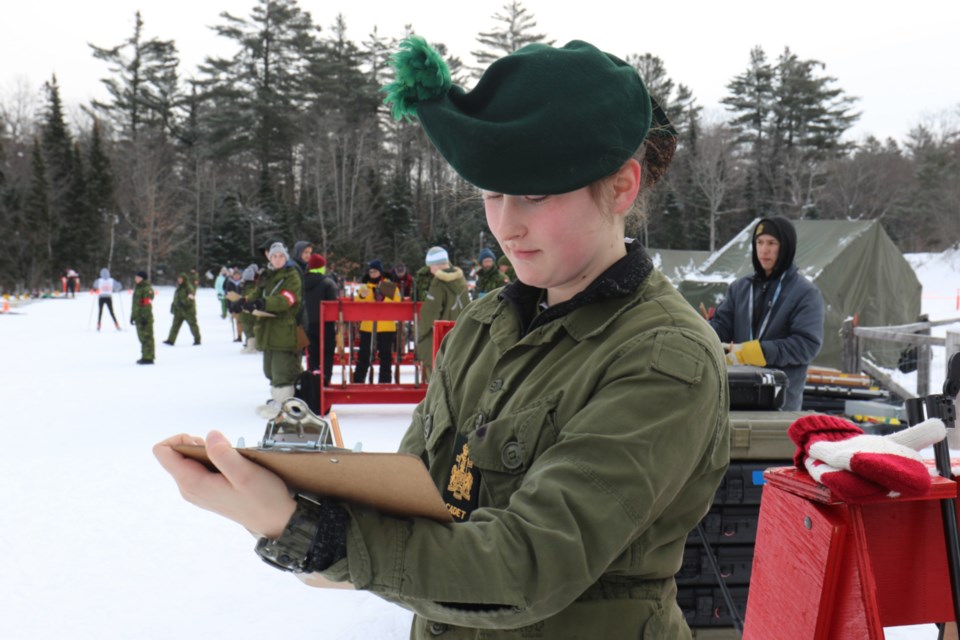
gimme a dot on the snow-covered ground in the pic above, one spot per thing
(97, 543)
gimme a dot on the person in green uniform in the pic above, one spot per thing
(576, 424)
(141, 316)
(445, 299)
(504, 266)
(277, 299)
(184, 308)
(489, 277)
(422, 280)
(247, 287)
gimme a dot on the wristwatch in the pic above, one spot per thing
(291, 551)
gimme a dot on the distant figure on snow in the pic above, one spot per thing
(141, 316)
(106, 287)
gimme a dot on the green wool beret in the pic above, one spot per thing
(540, 121)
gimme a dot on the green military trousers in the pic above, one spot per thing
(178, 321)
(145, 334)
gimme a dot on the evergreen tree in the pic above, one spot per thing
(143, 86)
(77, 223)
(100, 201)
(57, 144)
(37, 216)
(791, 121)
(513, 29)
(259, 91)
(751, 100)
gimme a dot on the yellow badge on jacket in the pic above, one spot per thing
(460, 495)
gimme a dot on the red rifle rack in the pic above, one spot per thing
(344, 311)
(825, 569)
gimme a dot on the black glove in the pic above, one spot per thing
(251, 305)
(132, 321)
(330, 545)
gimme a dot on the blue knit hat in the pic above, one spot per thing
(375, 264)
(486, 253)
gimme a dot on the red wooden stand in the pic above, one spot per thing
(829, 570)
(344, 311)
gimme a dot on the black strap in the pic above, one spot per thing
(734, 612)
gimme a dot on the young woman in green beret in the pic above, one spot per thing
(576, 422)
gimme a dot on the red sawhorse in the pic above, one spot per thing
(830, 570)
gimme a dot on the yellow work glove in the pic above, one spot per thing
(364, 291)
(746, 353)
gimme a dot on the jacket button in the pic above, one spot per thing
(511, 455)
(427, 426)
(479, 421)
(496, 385)
(437, 628)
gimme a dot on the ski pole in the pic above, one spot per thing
(123, 319)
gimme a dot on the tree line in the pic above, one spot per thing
(287, 138)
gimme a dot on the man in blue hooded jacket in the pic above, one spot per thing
(773, 318)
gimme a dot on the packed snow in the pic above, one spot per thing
(98, 543)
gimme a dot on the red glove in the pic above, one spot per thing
(855, 466)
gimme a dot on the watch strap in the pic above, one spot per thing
(291, 550)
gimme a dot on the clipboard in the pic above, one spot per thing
(394, 483)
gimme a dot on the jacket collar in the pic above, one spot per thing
(622, 279)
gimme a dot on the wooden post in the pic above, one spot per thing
(849, 354)
(924, 354)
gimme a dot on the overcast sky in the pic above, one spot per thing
(902, 60)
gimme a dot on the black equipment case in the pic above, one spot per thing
(756, 388)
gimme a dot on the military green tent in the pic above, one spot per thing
(856, 266)
(675, 264)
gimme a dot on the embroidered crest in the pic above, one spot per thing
(759, 230)
(461, 478)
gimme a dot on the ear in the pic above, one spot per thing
(626, 186)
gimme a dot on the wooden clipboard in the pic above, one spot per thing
(394, 483)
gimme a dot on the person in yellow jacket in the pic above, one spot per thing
(376, 288)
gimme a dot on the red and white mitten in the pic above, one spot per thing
(855, 466)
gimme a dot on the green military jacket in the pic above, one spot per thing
(281, 290)
(183, 304)
(599, 438)
(422, 280)
(490, 279)
(142, 306)
(445, 300)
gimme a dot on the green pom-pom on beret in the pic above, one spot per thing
(420, 74)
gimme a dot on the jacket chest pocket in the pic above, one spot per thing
(505, 448)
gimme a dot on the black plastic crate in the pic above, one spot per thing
(706, 607)
(729, 524)
(743, 482)
(735, 562)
